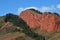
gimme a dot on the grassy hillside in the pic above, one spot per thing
(14, 24)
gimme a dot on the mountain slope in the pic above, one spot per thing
(47, 21)
(14, 24)
(30, 25)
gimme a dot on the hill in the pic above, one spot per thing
(46, 21)
(15, 28)
(30, 25)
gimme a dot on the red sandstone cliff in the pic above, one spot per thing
(46, 22)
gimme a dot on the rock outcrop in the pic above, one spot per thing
(45, 21)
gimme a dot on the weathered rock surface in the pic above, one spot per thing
(45, 21)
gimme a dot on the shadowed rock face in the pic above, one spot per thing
(46, 21)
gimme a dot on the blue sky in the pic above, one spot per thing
(15, 6)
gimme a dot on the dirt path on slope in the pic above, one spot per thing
(11, 36)
(6, 24)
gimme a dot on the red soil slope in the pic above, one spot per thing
(46, 22)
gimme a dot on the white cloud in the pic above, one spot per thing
(58, 6)
(47, 9)
(32, 7)
(42, 9)
(20, 10)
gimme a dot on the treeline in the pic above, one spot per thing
(37, 11)
(20, 23)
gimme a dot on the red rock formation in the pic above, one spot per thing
(46, 22)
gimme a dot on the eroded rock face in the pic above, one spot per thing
(46, 22)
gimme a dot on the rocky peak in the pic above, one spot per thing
(46, 21)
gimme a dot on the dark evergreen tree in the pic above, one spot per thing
(36, 11)
(57, 14)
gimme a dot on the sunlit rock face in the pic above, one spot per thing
(45, 21)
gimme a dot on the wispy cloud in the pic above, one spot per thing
(20, 10)
(58, 6)
(47, 9)
(42, 9)
(32, 7)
